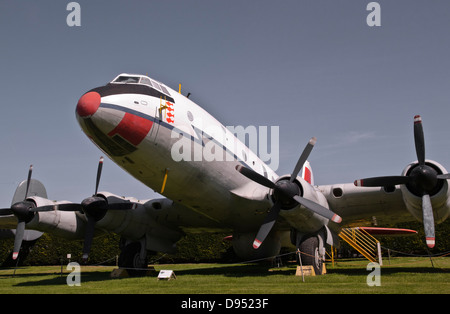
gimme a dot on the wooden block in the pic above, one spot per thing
(307, 271)
(119, 273)
(122, 272)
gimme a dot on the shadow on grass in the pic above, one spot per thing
(237, 271)
(388, 271)
(250, 270)
(55, 278)
(97, 276)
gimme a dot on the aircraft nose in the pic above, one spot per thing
(88, 104)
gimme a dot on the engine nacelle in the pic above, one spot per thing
(440, 196)
(131, 224)
(141, 223)
(69, 225)
(298, 216)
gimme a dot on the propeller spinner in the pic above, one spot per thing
(423, 179)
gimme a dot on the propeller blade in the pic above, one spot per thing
(382, 181)
(46, 208)
(20, 231)
(303, 157)
(428, 221)
(318, 209)
(256, 177)
(5, 211)
(28, 182)
(69, 207)
(88, 236)
(99, 173)
(419, 140)
(267, 225)
(444, 176)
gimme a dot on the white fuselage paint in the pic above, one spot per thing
(203, 186)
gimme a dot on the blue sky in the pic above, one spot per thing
(313, 68)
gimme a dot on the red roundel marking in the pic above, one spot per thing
(132, 128)
(88, 104)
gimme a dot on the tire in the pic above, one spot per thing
(310, 248)
(130, 260)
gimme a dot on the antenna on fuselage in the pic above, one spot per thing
(179, 91)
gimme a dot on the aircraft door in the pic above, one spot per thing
(156, 124)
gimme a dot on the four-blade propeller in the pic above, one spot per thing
(95, 208)
(23, 211)
(284, 192)
(422, 179)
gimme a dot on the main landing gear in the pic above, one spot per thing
(133, 258)
(310, 248)
(310, 254)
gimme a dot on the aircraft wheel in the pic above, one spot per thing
(131, 260)
(310, 254)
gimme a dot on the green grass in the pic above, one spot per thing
(403, 275)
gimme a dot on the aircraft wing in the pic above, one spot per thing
(358, 205)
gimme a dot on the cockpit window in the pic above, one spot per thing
(146, 81)
(126, 79)
(164, 89)
(156, 85)
(138, 79)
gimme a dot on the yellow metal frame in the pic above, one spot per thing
(361, 241)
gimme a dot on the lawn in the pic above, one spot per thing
(402, 275)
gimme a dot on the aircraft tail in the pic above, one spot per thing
(307, 173)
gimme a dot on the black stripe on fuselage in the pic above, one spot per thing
(171, 127)
(116, 89)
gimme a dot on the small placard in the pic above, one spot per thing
(166, 274)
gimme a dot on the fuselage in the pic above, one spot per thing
(176, 148)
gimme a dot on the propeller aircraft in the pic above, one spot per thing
(140, 124)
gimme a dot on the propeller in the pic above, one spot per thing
(23, 212)
(422, 179)
(95, 208)
(285, 193)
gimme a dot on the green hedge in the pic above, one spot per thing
(413, 244)
(416, 244)
(49, 250)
